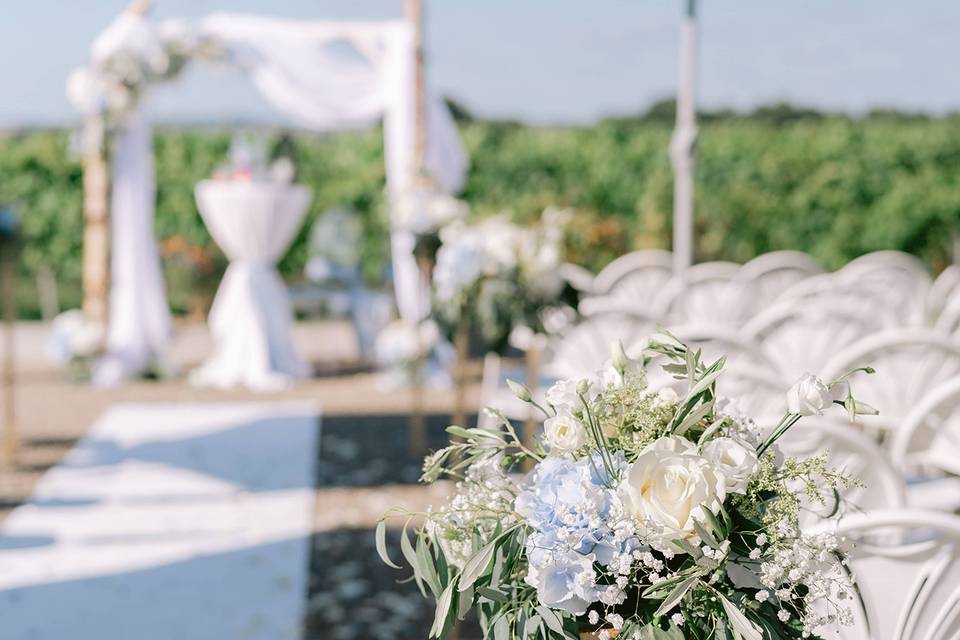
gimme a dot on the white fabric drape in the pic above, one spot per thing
(140, 323)
(254, 224)
(323, 76)
(334, 75)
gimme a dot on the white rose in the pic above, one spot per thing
(665, 492)
(734, 458)
(809, 396)
(667, 397)
(562, 395)
(671, 444)
(564, 433)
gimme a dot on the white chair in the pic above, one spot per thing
(900, 278)
(715, 341)
(579, 278)
(770, 274)
(908, 363)
(929, 436)
(632, 280)
(907, 568)
(800, 338)
(585, 347)
(868, 298)
(926, 449)
(705, 293)
(944, 289)
(947, 321)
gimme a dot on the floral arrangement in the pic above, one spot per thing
(495, 276)
(401, 345)
(74, 342)
(646, 514)
(424, 212)
(130, 56)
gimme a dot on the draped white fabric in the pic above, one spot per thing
(324, 76)
(254, 224)
(140, 322)
(334, 75)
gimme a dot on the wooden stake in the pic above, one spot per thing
(96, 231)
(8, 273)
(533, 377)
(461, 343)
(683, 145)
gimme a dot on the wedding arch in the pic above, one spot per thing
(323, 76)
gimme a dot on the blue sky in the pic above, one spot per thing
(548, 61)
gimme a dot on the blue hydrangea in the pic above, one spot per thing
(568, 505)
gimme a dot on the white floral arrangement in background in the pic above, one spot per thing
(424, 211)
(402, 346)
(495, 275)
(75, 341)
(646, 515)
(137, 54)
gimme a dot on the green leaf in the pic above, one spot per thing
(687, 547)
(381, 544)
(476, 565)
(411, 556)
(743, 628)
(501, 629)
(715, 524)
(425, 562)
(704, 534)
(676, 595)
(493, 594)
(693, 418)
(552, 620)
(531, 625)
(442, 612)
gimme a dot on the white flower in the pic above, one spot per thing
(677, 619)
(809, 396)
(666, 491)
(672, 444)
(86, 90)
(562, 395)
(736, 459)
(784, 615)
(564, 433)
(667, 397)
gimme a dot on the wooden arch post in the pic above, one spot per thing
(418, 422)
(96, 220)
(96, 208)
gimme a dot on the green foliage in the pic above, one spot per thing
(778, 179)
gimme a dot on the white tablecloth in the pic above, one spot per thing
(254, 224)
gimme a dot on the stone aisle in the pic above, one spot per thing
(168, 521)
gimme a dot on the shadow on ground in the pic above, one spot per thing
(354, 596)
(369, 451)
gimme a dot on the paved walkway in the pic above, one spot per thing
(168, 521)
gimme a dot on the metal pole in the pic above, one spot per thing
(683, 145)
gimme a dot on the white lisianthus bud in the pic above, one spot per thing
(519, 390)
(564, 433)
(583, 387)
(809, 396)
(618, 357)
